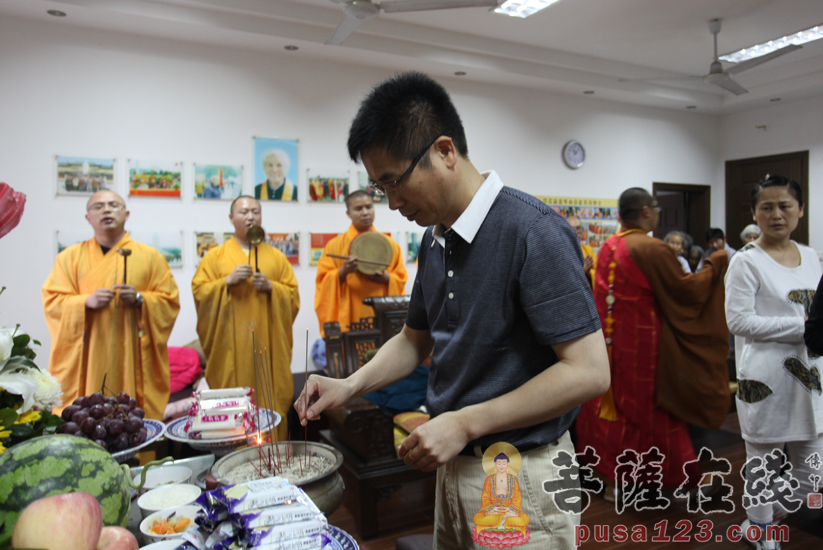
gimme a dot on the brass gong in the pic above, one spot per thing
(373, 247)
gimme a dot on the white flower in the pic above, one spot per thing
(19, 382)
(6, 343)
(48, 391)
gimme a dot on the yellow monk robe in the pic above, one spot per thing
(343, 302)
(88, 343)
(225, 317)
(489, 518)
(589, 251)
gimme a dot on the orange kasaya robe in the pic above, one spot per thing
(226, 316)
(87, 344)
(343, 302)
(668, 356)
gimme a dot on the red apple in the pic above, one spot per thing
(116, 538)
(71, 521)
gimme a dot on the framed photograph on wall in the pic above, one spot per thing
(218, 181)
(327, 189)
(83, 175)
(154, 179)
(599, 217)
(168, 243)
(318, 242)
(363, 185)
(288, 244)
(275, 169)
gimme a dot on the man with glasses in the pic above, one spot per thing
(501, 301)
(668, 342)
(110, 304)
(341, 288)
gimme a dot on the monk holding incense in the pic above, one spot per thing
(238, 288)
(110, 304)
(341, 288)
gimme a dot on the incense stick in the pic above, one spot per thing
(306, 383)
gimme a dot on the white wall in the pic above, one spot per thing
(73, 91)
(789, 127)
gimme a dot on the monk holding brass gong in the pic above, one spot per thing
(358, 264)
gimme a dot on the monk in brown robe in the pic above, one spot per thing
(667, 340)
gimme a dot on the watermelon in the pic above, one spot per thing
(56, 464)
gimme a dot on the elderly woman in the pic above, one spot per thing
(676, 241)
(750, 233)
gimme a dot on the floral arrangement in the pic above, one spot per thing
(27, 394)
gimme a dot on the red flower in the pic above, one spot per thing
(11, 208)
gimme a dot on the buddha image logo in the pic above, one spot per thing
(501, 521)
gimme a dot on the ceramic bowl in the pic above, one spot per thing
(164, 475)
(167, 497)
(188, 511)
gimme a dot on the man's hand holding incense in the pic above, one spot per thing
(100, 298)
(321, 393)
(261, 283)
(434, 443)
(128, 294)
(240, 274)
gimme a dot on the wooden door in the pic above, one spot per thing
(685, 207)
(743, 174)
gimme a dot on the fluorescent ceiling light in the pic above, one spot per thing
(797, 38)
(523, 8)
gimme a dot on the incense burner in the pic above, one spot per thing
(325, 489)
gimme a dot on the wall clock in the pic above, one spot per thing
(574, 155)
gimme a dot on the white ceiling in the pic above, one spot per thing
(570, 47)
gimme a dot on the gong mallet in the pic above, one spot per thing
(255, 236)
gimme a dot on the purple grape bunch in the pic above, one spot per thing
(113, 422)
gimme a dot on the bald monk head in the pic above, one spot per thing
(360, 210)
(245, 212)
(106, 213)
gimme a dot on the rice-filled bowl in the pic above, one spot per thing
(169, 496)
(164, 475)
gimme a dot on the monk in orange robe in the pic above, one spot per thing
(101, 326)
(501, 506)
(341, 288)
(232, 299)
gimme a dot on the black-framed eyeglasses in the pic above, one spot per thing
(381, 187)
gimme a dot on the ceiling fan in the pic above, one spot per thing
(357, 11)
(721, 78)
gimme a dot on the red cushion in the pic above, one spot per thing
(184, 367)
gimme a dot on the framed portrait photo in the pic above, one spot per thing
(275, 169)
